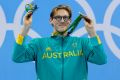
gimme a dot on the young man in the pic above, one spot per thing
(60, 57)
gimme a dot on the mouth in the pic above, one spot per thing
(63, 25)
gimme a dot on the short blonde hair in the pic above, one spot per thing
(67, 8)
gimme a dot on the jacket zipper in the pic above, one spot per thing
(62, 60)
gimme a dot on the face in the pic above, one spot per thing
(60, 20)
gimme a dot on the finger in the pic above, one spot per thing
(28, 16)
(86, 19)
(86, 23)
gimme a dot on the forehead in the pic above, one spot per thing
(61, 12)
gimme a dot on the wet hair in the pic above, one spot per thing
(65, 7)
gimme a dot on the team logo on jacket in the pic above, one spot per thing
(65, 54)
(48, 49)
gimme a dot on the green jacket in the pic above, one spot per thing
(61, 58)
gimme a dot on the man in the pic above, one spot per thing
(60, 57)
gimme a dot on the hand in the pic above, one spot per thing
(26, 22)
(27, 19)
(89, 26)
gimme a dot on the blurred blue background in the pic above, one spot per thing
(101, 11)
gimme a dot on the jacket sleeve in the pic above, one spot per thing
(25, 52)
(93, 50)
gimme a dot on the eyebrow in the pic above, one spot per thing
(61, 15)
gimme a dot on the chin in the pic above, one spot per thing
(62, 30)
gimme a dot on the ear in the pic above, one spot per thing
(51, 21)
(69, 21)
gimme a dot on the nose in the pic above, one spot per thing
(62, 20)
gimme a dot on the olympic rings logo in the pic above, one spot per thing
(106, 27)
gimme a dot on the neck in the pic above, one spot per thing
(59, 34)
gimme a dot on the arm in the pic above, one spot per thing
(93, 50)
(93, 47)
(23, 53)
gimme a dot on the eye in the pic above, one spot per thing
(57, 17)
(66, 18)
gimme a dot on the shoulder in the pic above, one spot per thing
(79, 38)
(40, 39)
